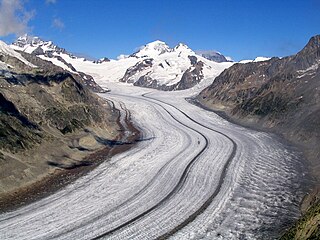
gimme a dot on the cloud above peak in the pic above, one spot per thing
(57, 23)
(13, 17)
(51, 1)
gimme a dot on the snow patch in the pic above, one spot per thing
(257, 59)
(309, 71)
(261, 59)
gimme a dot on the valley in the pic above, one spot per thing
(166, 167)
(188, 178)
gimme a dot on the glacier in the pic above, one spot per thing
(193, 175)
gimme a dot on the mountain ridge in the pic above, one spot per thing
(267, 90)
(47, 50)
(164, 68)
(168, 66)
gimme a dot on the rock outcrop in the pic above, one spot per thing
(192, 76)
(102, 60)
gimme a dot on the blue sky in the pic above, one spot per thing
(242, 29)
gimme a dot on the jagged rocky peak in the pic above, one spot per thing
(35, 45)
(152, 49)
(312, 47)
(26, 39)
(309, 56)
(102, 60)
(212, 55)
(314, 42)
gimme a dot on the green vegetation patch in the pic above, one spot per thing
(307, 227)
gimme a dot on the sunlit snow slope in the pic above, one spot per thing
(7, 51)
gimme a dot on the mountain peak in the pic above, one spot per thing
(314, 43)
(310, 54)
(311, 46)
(32, 44)
(152, 49)
(26, 39)
(156, 43)
(212, 55)
(181, 46)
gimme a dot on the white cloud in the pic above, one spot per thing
(122, 56)
(51, 1)
(57, 23)
(13, 17)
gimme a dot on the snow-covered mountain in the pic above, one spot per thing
(47, 50)
(212, 55)
(44, 49)
(159, 66)
(155, 65)
(35, 45)
(152, 49)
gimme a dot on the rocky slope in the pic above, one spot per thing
(47, 50)
(282, 95)
(48, 119)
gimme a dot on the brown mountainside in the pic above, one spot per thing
(281, 95)
(48, 118)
